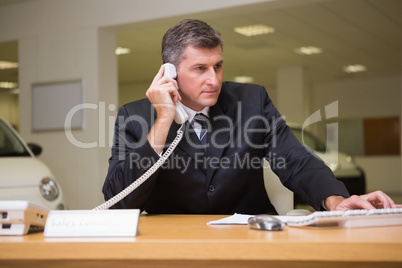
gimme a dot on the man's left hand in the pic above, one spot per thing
(373, 200)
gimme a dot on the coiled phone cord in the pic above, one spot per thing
(144, 176)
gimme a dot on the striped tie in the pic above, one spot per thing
(202, 119)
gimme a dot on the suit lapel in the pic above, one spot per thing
(221, 130)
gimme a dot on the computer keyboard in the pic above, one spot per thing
(350, 218)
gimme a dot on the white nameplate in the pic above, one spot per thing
(92, 223)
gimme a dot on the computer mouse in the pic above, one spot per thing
(266, 223)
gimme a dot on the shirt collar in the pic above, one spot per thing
(191, 113)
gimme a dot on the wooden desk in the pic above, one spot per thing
(186, 241)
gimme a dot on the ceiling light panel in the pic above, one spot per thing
(253, 30)
(8, 85)
(309, 50)
(122, 50)
(8, 65)
(355, 68)
(244, 79)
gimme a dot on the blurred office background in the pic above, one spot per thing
(308, 54)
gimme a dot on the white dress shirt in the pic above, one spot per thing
(191, 113)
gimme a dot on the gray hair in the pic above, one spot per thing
(188, 32)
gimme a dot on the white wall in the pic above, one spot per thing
(361, 97)
(85, 55)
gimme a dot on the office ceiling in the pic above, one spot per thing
(348, 31)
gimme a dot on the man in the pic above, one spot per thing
(225, 175)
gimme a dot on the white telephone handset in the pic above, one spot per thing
(181, 115)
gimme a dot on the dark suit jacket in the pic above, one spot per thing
(245, 128)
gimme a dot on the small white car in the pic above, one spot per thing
(22, 175)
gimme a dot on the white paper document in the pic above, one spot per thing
(240, 219)
(234, 219)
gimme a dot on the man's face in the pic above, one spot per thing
(199, 77)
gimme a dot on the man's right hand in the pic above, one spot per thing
(163, 94)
